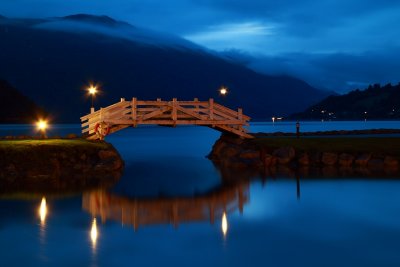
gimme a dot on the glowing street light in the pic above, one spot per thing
(92, 90)
(223, 91)
(42, 125)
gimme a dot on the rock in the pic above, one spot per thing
(269, 160)
(391, 161)
(284, 154)
(106, 154)
(229, 151)
(329, 158)
(249, 154)
(362, 160)
(346, 160)
(83, 157)
(375, 163)
(304, 159)
(315, 158)
(217, 148)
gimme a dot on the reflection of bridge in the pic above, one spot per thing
(138, 212)
(170, 113)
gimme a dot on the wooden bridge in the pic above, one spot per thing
(123, 114)
(144, 212)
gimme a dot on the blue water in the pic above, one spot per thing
(335, 222)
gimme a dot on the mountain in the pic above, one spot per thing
(53, 60)
(15, 107)
(375, 102)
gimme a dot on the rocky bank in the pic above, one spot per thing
(31, 165)
(230, 152)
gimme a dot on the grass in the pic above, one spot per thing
(50, 142)
(387, 145)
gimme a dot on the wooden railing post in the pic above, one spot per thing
(211, 108)
(134, 111)
(240, 114)
(122, 99)
(174, 111)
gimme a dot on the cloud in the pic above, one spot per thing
(330, 43)
(339, 72)
(237, 35)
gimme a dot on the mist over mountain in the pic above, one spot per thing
(53, 60)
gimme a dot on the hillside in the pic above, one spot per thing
(53, 60)
(374, 103)
(15, 107)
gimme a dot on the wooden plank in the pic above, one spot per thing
(153, 114)
(178, 122)
(211, 108)
(174, 109)
(134, 111)
(194, 114)
(235, 131)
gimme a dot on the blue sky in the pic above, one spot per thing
(332, 44)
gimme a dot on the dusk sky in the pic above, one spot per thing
(332, 44)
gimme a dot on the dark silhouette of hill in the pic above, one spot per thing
(375, 102)
(52, 60)
(15, 107)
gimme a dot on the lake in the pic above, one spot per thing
(172, 207)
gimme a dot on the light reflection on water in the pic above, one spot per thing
(169, 209)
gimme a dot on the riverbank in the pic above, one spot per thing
(57, 164)
(345, 153)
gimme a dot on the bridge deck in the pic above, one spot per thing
(171, 113)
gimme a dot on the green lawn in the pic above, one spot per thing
(388, 145)
(50, 142)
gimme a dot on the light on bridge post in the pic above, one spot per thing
(42, 125)
(92, 90)
(223, 91)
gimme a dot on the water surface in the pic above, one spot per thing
(168, 209)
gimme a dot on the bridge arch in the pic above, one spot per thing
(126, 114)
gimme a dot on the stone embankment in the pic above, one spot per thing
(57, 164)
(235, 153)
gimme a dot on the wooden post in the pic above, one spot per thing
(134, 111)
(240, 114)
(174, 111)
(122, 99)
(158, 99)
(211, 108)
(240, 117)
(196, 106)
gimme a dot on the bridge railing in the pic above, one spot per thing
(174, 112)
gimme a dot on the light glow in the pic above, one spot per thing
(41, 125)
(224, 224)
(94, 233)
(43, 211)
(223, 90)
(92, 90)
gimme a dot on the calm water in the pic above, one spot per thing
(168, 210)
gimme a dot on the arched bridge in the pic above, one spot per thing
(125, 114)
